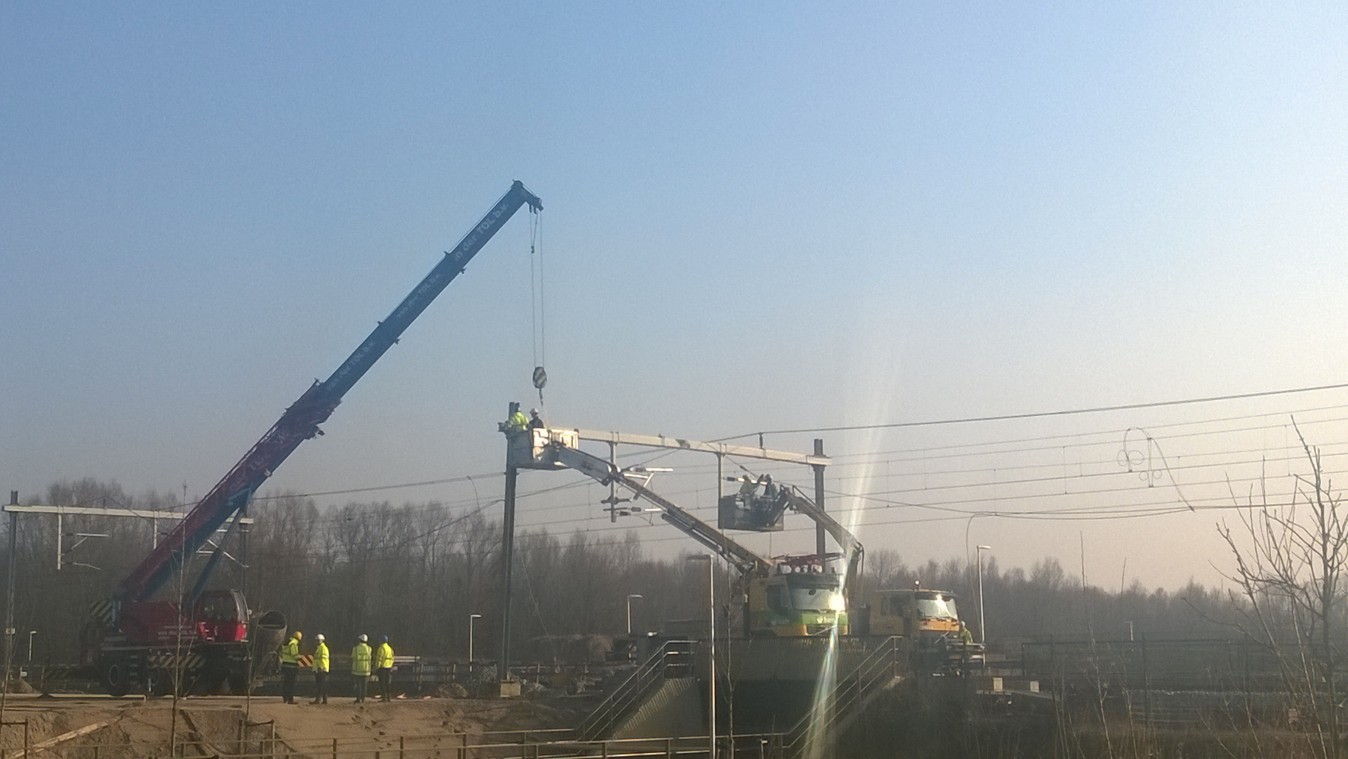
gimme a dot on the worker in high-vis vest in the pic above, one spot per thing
(290, 666)
(383, 666)
(322, 663)
(516, 422)
(361, 658)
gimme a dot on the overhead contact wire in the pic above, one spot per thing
(1039, 414)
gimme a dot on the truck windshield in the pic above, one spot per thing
(817, 596)
(937, 607)
(220, 606)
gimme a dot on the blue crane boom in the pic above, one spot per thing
(300, 421)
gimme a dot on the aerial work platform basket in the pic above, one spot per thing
(537, 448)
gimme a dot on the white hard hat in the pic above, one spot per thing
(533, 411)
(362, 638)
(318, 636)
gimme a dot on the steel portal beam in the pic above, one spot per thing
(720, 449)
(98, 511)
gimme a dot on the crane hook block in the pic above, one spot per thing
(540, 378)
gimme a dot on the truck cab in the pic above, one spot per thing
(914, 613)
(930, 619)
(796, 600)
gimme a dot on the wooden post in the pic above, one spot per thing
(334, 748)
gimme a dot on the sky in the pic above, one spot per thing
(758, 218)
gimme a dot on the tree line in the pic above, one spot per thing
(417, 571)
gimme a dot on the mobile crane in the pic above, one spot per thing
(133, 640)
(784, 597)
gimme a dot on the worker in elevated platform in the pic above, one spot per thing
(517, 422)
(535, 421)
(748, 486)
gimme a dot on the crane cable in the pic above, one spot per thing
(536, 303)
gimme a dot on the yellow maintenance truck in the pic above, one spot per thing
(930, 619)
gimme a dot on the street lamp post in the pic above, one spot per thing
(471, 617)
(982, 628)
(711, 652)
(630, 596)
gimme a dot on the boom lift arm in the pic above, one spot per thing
(300, 421)
(783, 597)
(788, 496)
(605, 473)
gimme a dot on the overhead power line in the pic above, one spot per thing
(1040, 414)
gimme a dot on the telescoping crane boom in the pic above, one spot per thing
(134, 630)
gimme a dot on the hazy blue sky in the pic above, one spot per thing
(760, 216)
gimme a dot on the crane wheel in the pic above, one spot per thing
(116, 678)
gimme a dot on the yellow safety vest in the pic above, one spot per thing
(383, 658)
(290, 653)
(518, 422)
(321, 660)
(360, 660)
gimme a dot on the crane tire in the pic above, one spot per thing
(117, 678)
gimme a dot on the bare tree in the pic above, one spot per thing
(884, 568)
(1290, 564)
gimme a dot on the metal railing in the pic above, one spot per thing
(673, 659)
(878, 669)
(443, 746)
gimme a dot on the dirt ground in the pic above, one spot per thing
(132, 728)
